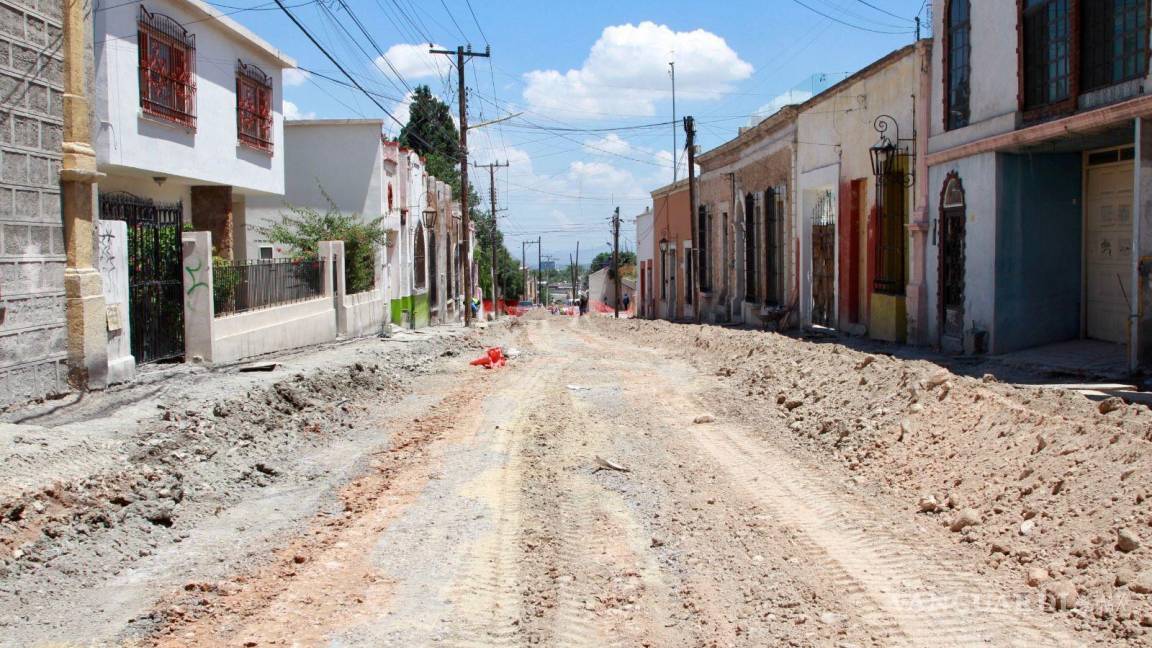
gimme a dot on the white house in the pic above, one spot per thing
(187, 105)
(358, 184)
(1040, 172)
(645, 246)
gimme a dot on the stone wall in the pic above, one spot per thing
(32, 334)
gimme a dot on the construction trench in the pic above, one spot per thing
(616, 483)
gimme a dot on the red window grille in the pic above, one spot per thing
(167, 69)
(253, 106)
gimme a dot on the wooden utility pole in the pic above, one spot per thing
(616, 260)
(576, 273)
(492, 196)
(466, 218)
(693, 282)
(541, 294)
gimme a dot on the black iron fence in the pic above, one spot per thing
(242, 286)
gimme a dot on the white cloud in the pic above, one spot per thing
(414, 61)
(778, 102)
(611, 144)
(292, 111)
(295, 77)
(626, 72)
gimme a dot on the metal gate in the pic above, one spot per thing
(824, 261)
(953, 219)
(155, 284)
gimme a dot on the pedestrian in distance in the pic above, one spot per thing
(627, 300)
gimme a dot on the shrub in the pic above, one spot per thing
(302, 229)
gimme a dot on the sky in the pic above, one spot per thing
(589, 82)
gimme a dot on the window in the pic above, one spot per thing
(773, 247)
(167, 69)
(253, 107)
(702, 223)
(958, 66)
(750, 209)
(663, 271)
(1047, 52)
(689, 278)
(1115, 41)
(265, 251)
(891, 216)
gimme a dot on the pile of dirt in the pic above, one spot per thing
(190, 462)
(1045, 484)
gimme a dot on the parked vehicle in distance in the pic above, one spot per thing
(526, 304)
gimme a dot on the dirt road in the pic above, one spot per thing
(492, 517)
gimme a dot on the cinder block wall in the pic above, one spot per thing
(32, 336)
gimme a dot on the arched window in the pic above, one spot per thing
(957, 66)
(419, 272)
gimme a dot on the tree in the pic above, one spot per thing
(604, 260)
(431, 132)
(303, 228)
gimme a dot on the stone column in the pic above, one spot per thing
(212, 212)
(84, 294)
(917, 288)
(332, 258)
(199, 308)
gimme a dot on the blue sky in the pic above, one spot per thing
(574, 66)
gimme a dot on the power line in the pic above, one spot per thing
(884, 11)
(846, 23)
(331, 58)
(475, 20)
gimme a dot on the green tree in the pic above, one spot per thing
(604, 260)
(302, 229)
(431, 132)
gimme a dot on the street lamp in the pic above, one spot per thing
(430, 219)
(887, 152)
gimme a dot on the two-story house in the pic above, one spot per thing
(1040, 177)
(188, 127)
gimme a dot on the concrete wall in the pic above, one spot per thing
(129, 142)
(1039, 246)
(216, 340)
(274, 329)
(32, 333)
(112, 262)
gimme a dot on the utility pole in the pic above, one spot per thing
(576, 273)
(690, 134)
(492, 195)
(616, 261)
(540, 294)
(466, 218)
(675, 165)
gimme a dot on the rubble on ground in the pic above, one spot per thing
(1042, 483)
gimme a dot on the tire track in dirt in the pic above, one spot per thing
(485, 596)
(920, 601)
(324, 579)
(900, 592)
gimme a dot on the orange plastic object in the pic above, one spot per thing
(493, 357)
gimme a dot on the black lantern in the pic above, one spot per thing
(430, 219)
(883, 157)
(887, 152)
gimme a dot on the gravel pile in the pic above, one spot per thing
(1044, 484)
(189, 462)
